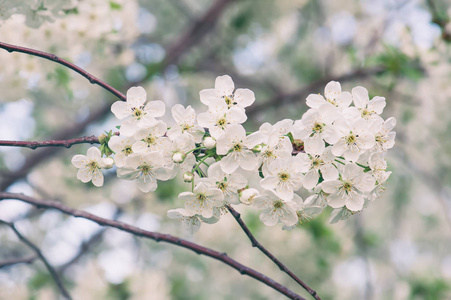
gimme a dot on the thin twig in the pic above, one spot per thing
(92, 79)
(52, 143)
(38, 252)
(156, 236)
(15, 261)
(265, 251)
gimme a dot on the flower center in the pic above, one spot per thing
(222, 185)
(278, 204)
(145, 169)
(150, 140)
(284, 176)
(237, 147)
(229, 100)
(351, 139)
(318, 128)
(317, 162)
(185, 127)
(127, 150)
(138, 112)
(221, 123)
(93, 166)
(201, 197)
(347, 186)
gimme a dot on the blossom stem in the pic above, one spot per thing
(156, 236)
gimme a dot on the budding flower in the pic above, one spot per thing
(178, 157)
(258, 148)
(188, 176)
(248, 195)
(103, 138)
(209, 142)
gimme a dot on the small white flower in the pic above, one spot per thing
(223, 93)
(185, 119)
(146, 168)
(151, 138)
(334, 97)
(90, 166)
(364, 108)
(190, 222)
(284, 176)
(134, 113)
(350, 189)
(218, 118)
(202, 200)
(318, 163)
(383, 134)
(229, 184)
(349, 138)
(233, 144)
(122, 147)
(275, 209)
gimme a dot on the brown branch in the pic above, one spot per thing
(198, 29)
(52, 143)
(92, 79)
(318, 85)
(156, 236)
(38, 252)
(265, 251)
(15, 261)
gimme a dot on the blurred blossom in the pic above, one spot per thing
(135, 72)
(150, 53)
(403, 253)
(351, 274)
(124, 264)
(146, 21)
(446, 267)
(343, 27)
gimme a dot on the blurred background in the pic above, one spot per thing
(397, 248)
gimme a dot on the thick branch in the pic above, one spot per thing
(38, 252)
(52, 143)
(265, 251)
(156, 237)
(15, 261)
(92, 79)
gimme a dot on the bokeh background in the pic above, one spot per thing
(397, 248)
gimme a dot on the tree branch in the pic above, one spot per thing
(52, 143)
(92, 79)
(156, 237)
(15, 261)
(257, 244)
(38, 252)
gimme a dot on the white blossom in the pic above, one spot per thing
(90, 166)
(275, 209)
(202, 200)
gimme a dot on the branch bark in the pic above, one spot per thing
(52, 143)
(38, 252)
(92, 79)
(265, 251)
(156, 236)
(15, 261)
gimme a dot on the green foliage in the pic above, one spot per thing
(119, 291)
(429, 289)
(115, 5)
(399, 64)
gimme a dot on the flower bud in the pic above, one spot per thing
(109, 162)
(188, 176)
(248, 195)
(209, 142)
(103, 138)
(258, 148)
(178, 157)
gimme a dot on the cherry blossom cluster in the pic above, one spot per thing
(290, 171)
